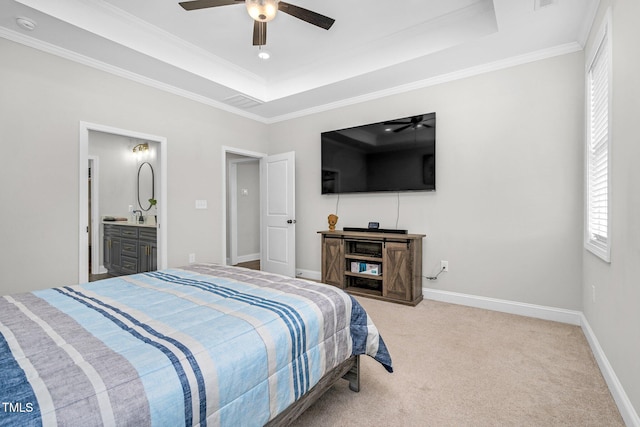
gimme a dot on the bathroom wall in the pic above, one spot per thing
(116, 173)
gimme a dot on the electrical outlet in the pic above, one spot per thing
(192, 258)
(444, 265)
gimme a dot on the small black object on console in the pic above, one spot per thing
(375, 230)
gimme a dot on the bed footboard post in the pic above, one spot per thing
(353, 375)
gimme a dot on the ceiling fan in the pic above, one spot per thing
(414, 123)
(263, 11)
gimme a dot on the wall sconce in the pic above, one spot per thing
(141, 148)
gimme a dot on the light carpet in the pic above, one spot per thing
(463, 366)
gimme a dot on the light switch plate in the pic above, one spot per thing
(201, 204)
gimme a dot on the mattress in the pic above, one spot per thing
(200, 345)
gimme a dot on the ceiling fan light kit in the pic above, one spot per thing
(414, 123)
(263, 11)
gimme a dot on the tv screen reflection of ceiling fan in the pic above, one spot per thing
(263, 11)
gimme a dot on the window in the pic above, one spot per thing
(598, 150)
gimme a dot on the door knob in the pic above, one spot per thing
(291, 221)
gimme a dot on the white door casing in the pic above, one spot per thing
(84, 129)
(277, 190)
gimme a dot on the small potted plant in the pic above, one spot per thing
(153, 209)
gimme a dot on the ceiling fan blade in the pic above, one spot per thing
(203, 4)
(306, 15)
(402, 128)
(259, 33)
(397, 123)
(423, 122)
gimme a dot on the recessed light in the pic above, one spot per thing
(26, 23)
(539, 4)
(264, 55)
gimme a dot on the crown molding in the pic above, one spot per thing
(40, 45)
(433, 81)
(117, 26)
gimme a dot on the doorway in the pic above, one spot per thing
(89, 217)
(276, 209)
(242, 207)
(243, 211)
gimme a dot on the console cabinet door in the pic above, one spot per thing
(147, 250)
(332, 262)
(147, 256)
(116, 254)
(110, 232)
(106, 252)
(143, 257)
(397, 271)
(153, 256)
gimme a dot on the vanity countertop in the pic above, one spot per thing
(130, 224)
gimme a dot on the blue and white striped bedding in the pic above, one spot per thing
(202, 345)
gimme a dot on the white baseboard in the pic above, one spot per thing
(627, 411)
(571, 317)
(247, 258)
(308, 274)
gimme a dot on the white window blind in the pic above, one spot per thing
(598, 143)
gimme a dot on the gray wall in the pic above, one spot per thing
(43, 99)
(507, 213)
(615, 314)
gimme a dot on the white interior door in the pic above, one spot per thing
(277, 189)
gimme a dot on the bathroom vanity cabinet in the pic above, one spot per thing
(129, 248)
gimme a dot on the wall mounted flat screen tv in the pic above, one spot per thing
(394, 155)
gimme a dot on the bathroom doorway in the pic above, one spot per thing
(89, 218)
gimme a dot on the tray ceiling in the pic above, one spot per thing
(374, 48)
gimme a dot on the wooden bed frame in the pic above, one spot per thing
(348, 370)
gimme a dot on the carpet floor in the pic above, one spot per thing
(463, 366)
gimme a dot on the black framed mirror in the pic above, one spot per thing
(146, 186)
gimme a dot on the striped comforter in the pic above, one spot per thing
(203, 345)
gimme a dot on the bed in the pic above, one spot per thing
(201, 345)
